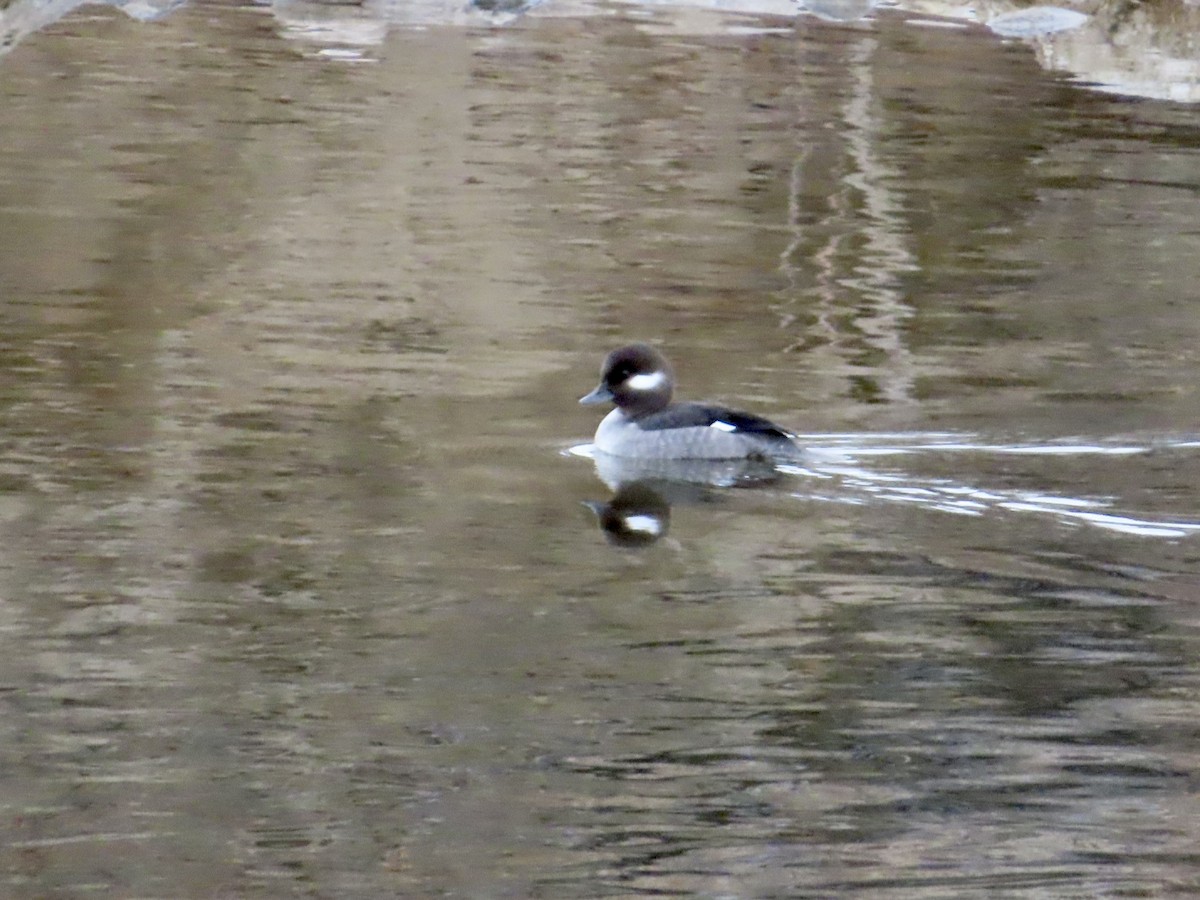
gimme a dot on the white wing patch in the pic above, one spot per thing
(723, 426)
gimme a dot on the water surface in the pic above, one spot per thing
(300, 595)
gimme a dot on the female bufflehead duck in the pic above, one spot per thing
(646, 424)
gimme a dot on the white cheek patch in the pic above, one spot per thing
(649, 382)
(723, 426)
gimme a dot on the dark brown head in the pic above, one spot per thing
(637, 378)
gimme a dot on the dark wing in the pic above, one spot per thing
(698, 415)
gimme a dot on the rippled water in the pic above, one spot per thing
(303, 592)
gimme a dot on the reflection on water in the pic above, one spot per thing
(297, 593)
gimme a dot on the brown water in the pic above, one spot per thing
(298, 596)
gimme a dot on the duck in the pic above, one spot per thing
(639, 381)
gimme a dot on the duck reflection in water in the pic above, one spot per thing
(639, 511)
(635, 516)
